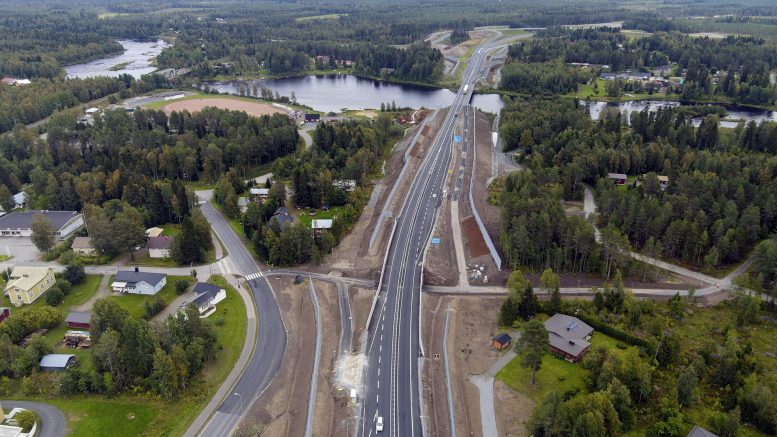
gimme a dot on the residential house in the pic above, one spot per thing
(92, 112)
(700, 432)
(242, 204)
(568, 336)
(260, 193)
(344, 184)
(501, 341)
(83, 246)
(28, 283)
(137, 282)
(159, 247)
(154, 232)
(282, 217)
(57, 362)
(206, 297)
(20, 199)
(618, 178)
(79, 320)
(19, 224)
(312, 118)
(319, 225)
(4, 313)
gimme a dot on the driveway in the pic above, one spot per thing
(52, 421)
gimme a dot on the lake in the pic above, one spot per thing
(333, 93)
(137, 54)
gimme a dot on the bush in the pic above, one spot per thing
(153, 308)
(54, 296)
(74, 273)
(219, 321)
(26, 419)
(64, 286)
(181, 285)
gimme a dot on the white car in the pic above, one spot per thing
(379, 424)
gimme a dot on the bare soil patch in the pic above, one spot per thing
(472, 324)
(440, 267)
(251, 108)
(473, 239)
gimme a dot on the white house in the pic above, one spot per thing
(260, 192)
(137, 282)
(319, 225)
(206, 296)
(344, 184)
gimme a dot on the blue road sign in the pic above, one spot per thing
(435, 240)
(457, 138)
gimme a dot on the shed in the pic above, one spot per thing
(79, 320)
(501, 341)
(57, 362)
(83, 246)
(617, 178)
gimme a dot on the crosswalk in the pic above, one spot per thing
(253, 276)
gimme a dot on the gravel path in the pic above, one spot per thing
(485, 385)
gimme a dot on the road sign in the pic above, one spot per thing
(457, 138)
(435, 240)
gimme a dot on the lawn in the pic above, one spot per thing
(135, 303)
(554, 374)
(78, 295)
(170, 229)
(307, 219)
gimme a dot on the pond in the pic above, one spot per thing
(136, 61)
(735, 114)
(333, 93)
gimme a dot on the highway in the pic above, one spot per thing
(394, 350)
(270, 342)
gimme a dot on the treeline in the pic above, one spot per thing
(539, 78)
(719, 201)
(737, 68)
(36, 101)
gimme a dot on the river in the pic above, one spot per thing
(137, 54)
(333, 93)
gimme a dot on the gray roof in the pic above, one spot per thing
(23, 219)
(568, 327)
(78, 317)
(572, 347)
(161, 242)
(135, 277)
(283, 219)
(56, 361)
(204, 287)
(281, 211)
(700, 432)
(617, 176)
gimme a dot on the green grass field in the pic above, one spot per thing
(307, 219)
(135, 303)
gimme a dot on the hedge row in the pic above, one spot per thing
(617, 334)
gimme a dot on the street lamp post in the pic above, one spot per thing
(242, 412)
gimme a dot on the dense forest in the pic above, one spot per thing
(342, 151)
(720, 200)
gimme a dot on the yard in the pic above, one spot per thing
(145, 415)
(135, 303)
(307, 220)
(554, 374)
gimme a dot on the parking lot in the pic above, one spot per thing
(20, 248)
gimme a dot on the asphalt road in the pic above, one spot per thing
(394, 350)
(271, 339)
(52, 421)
